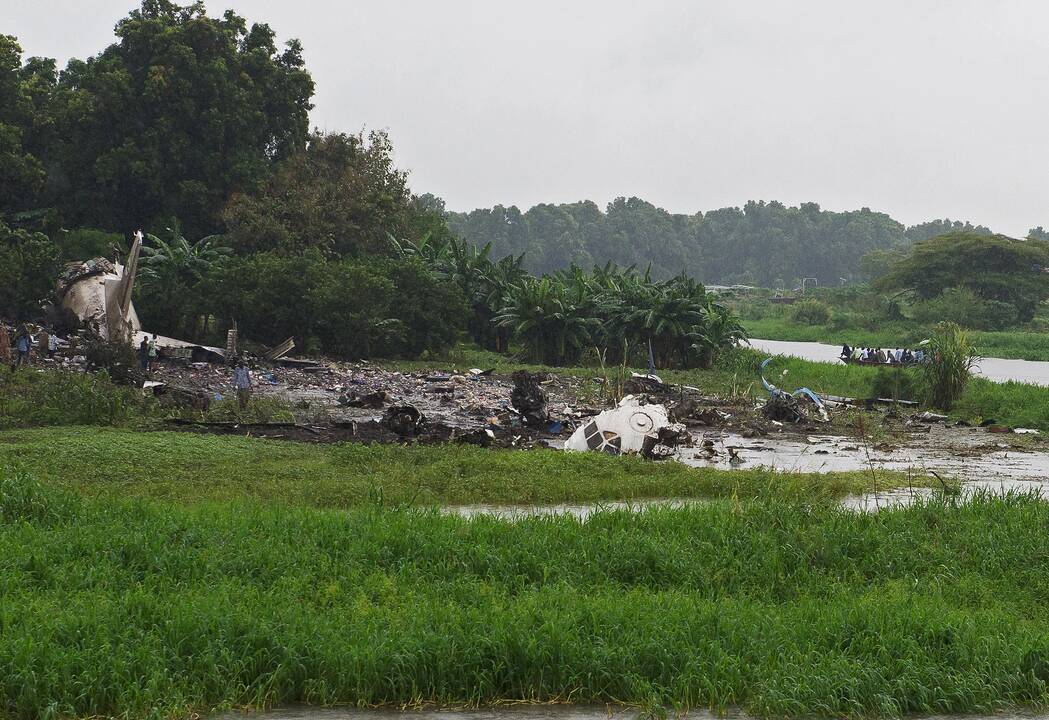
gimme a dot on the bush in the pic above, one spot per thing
(352, 308)
(895, 383)
(810, 312)
(117, 359)
(948, 366)
(965, 308)
(30, 399)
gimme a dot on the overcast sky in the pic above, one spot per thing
(919, 108)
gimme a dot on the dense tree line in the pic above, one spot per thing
(766, 244)
(195, 129)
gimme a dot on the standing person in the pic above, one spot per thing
(242, 383)
(5, 344)
(23, 344)
(52, 344)
(143, 354)
(152, 353)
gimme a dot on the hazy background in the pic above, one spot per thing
(919, 109)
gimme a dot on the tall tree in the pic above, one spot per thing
(183, 110)
(25, 120)
(994, 267)
(340, 195)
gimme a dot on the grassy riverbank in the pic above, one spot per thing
(1017, 344)
(190, 468)
(142, 609)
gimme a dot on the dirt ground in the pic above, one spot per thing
(348, 401)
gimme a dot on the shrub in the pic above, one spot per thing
(948, 367)
(810, 312)
(895, 383)
(965, 308)
(118, 359)
(30, 399)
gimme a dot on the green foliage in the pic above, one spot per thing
(341, 195)
(896, 383)
(165, 611)
(30, 399)
(810, 312)
(183, 110)
(993, 267)
(29, 264)
(760, 244)
(949, 366)
(117, 359)
(173, 272)
(935, 228)
(963, 307)
(22, 126)
(351, 308)
(86, 243)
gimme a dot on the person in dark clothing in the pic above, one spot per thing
(143, 355)
(23, 344)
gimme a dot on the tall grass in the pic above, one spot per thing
(145, 610)
(31, 397)
(949, 369)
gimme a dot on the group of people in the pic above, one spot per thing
(23, 343)
(147, 354)
(878, 356)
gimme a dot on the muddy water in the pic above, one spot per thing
(969, 455)
(996, 369)
(975, 457)
(533, 712)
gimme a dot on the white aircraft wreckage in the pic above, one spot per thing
(631, 428)
(98, 292)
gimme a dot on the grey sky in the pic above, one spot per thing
(919, 108)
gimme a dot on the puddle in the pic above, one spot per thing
(539, 712)
(970, 455)
(579, 510)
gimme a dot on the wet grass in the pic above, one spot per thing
(191, 468)
(36, 397)
(139, 609)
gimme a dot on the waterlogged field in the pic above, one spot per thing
(191, 468)
(147, 609)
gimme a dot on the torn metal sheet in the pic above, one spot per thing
(281, 350)
(630, 428)
(780, 405)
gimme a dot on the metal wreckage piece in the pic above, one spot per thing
(630, 428)
(784, 407)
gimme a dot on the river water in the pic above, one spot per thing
(996, 369)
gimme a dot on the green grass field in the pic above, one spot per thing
(134, 608)
(191, 468)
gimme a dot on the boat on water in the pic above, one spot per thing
(876, 363)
